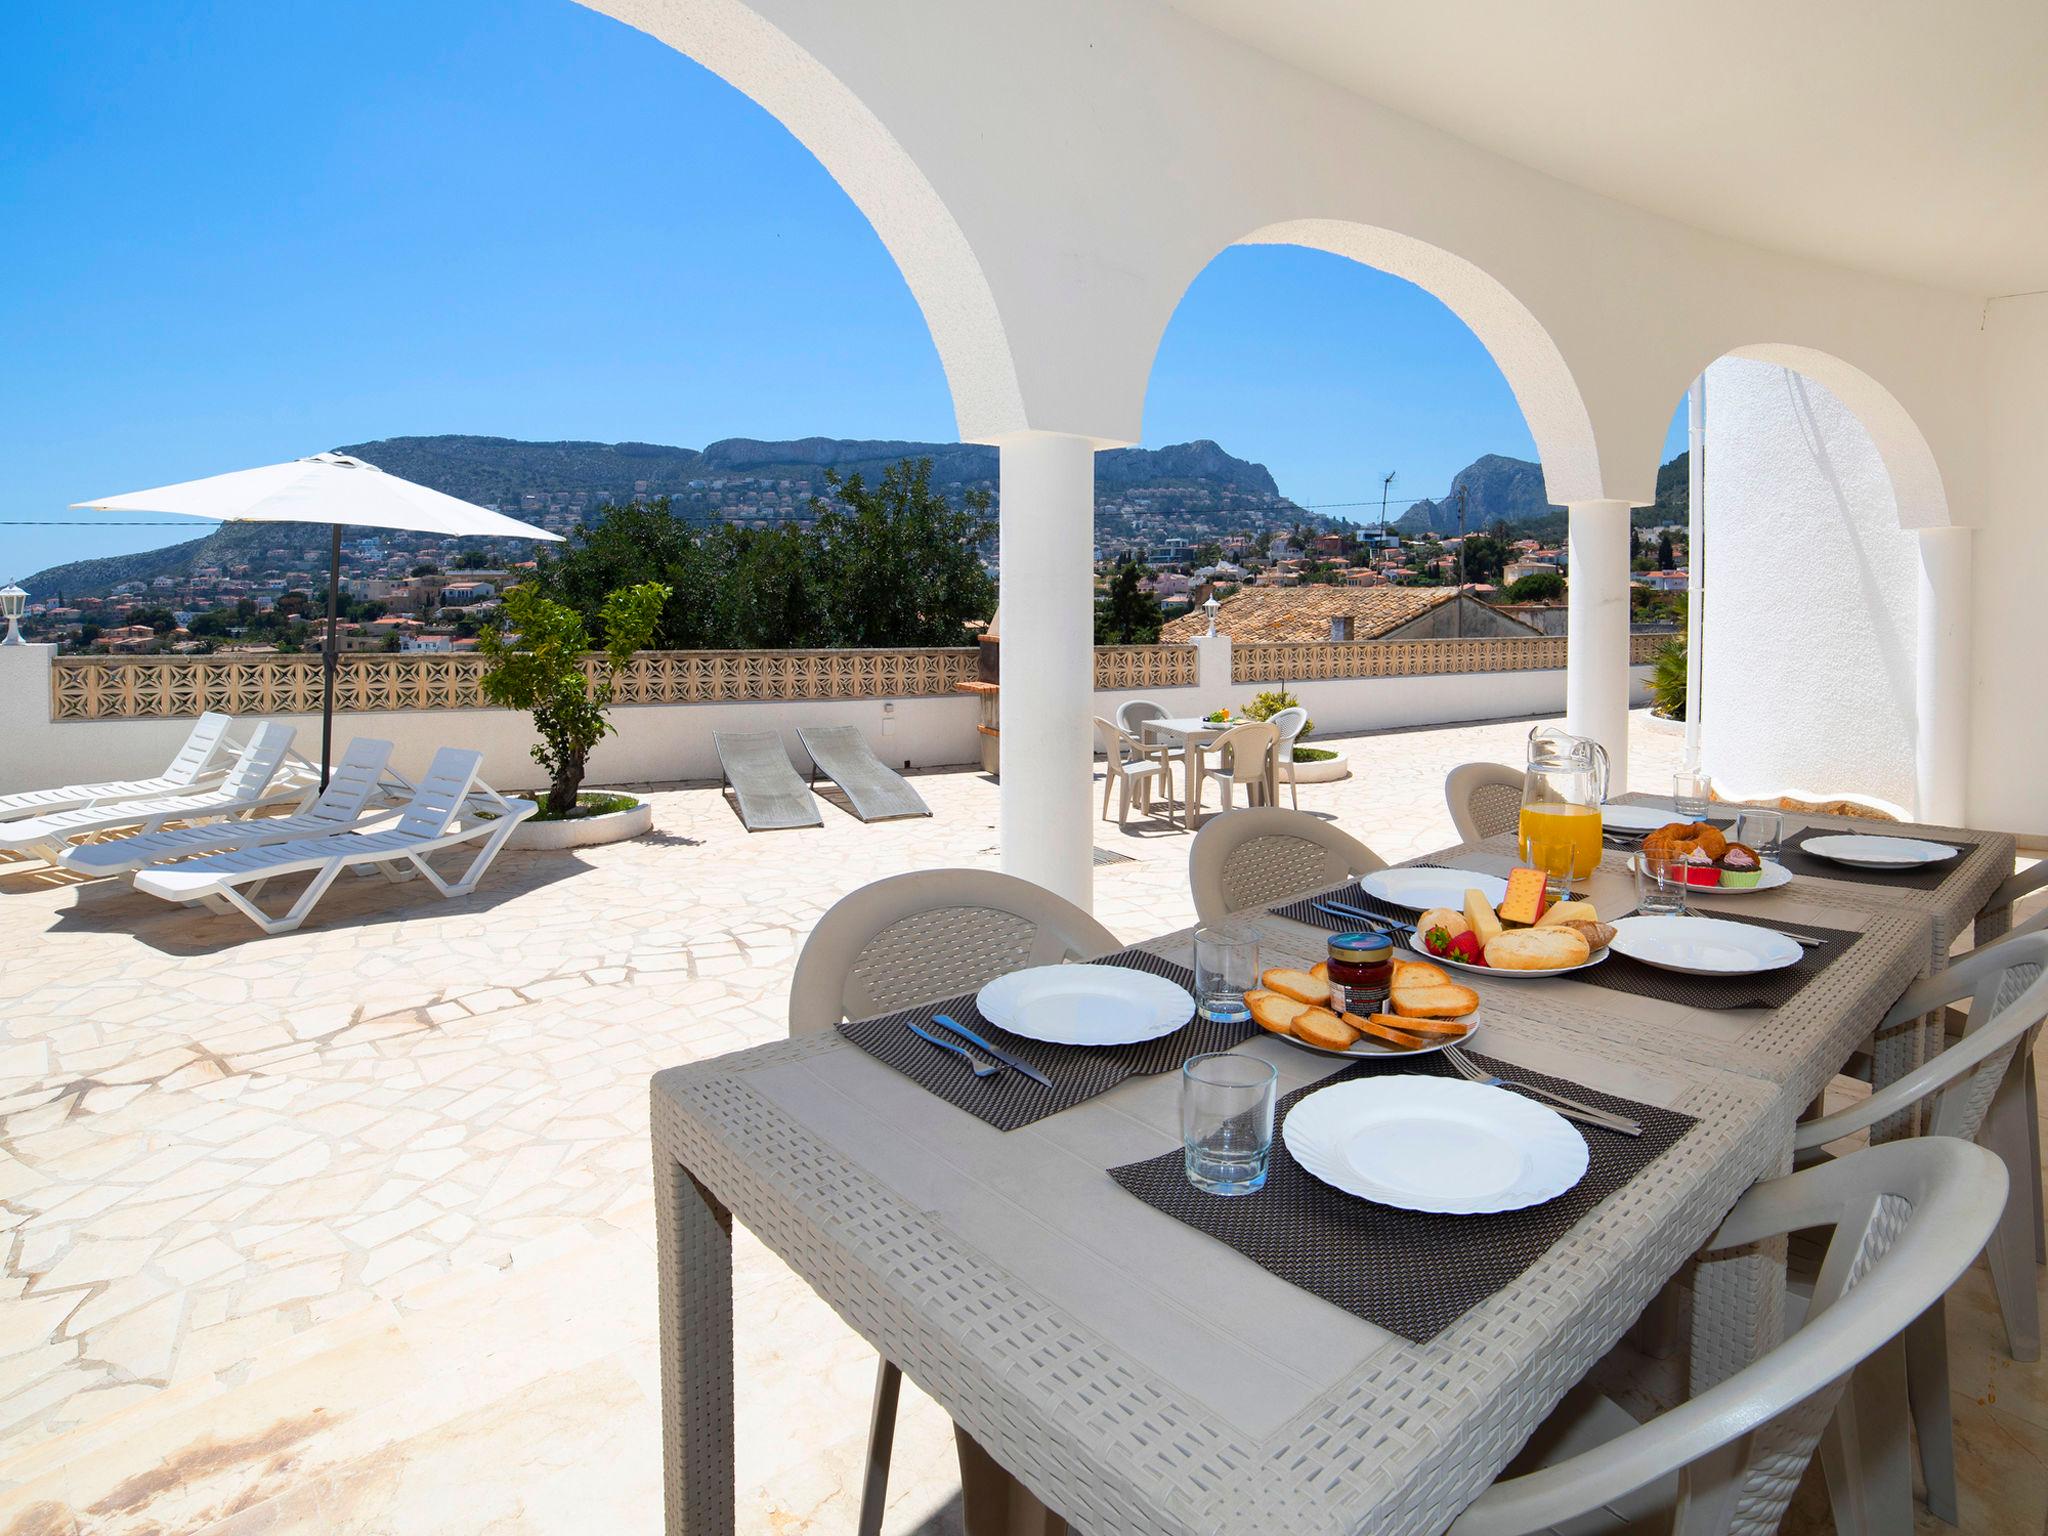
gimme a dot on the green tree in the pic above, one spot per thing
(539, 668)
(474, 560)
(1667, 557)
(1127, 614)
(898, 564)
(1536, 587)
(1667, 679)
(1486, 557)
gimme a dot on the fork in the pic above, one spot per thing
(981, 1068)
(1571, 1109)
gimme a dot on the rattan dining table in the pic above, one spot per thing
(1135, 1375)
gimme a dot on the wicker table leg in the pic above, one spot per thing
(693, 1239)
(993, 1503)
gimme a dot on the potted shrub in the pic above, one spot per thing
(1312, 765)
(536, 663)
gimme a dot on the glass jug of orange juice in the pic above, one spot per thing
(1562, 789)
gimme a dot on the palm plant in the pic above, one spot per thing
(1667, 680)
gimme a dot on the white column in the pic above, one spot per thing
(1048, 662)
(1596, 668)
(1941, 678)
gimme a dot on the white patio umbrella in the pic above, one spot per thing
(329, 488)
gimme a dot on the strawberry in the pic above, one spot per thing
(1465, 947)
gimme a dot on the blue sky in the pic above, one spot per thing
(240, 232)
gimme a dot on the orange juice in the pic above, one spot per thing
(1562, 840)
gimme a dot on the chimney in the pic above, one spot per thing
(1340, 628)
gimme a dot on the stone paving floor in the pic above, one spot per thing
(349, 1230)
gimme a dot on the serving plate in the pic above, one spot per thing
(1862, 850)
(1415, 943)
(1435, 1144)
(1704, 946)
(1634, 818)
(1421, 889)
(1775, 877)
(1085, 1004)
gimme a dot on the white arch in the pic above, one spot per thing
(761, 61)
(1521, 348)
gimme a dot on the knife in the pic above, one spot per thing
(946, 1022)
(1356, 914)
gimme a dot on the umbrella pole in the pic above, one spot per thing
(327, 658)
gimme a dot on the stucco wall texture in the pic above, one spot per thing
(1812, 588)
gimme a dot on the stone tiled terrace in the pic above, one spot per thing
(349, 1230)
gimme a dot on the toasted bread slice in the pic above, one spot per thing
(1321, 971)
(1273, 1012)
(1302, 986)
(1378, 1027)
(1418, 973)
(1433, 1029)
(1432, 1000)
(1319, 1026)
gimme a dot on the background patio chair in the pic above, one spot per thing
(1289, 722)
(1254, 858)
(909, 939)
(1132, 714)
(1485, 799)
(1129, 764)
(1243, 756)
(1906, 1220)
(197, 765)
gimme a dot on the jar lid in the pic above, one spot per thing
(1361, 948)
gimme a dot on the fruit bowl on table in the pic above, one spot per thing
(1525, 973)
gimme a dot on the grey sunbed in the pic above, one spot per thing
(764, 781)
(842, 754)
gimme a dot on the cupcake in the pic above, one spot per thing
(1740, 866)
(1700, 868)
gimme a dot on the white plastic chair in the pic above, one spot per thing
(1485, 799)
(1243, 755)
(911, 939)
(1253, 858)
(1130, 765)
(244, 791)
(363, 773)
(1975, 1092)
(1907, 1218)
(1289, 722)
(198, 765)
(231, 882)
(1132, 714)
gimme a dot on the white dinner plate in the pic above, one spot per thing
(1704, 946)
(1636, 818)
(1366, 1045)
(1864, 851)
(1422, 889)
(1435, 1144)
(1085, 1004)
(1415, 943)
(1775, 875)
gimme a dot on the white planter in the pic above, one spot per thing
(583, 831)
(1338, 767)
(1662, 725)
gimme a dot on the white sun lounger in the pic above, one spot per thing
(244, 791)
(362, 775)
(231, 882)
(198, 765)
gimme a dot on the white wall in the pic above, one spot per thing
(1348, 704)
(1808, 638)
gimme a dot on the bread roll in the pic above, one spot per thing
(1538, 949)
(1452, 923)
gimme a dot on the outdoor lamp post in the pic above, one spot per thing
(1210, 608)
(13, 602)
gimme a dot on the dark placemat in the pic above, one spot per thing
(1628, 837)
(1306, 911)
(1410, 1272)
(1078, 1072)
(1921, 877)
(1771, 989)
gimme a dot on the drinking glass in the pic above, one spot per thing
(1660, 885)
(1226, 967)
(1226, 1121)
(1762, 830)
(1692, 792)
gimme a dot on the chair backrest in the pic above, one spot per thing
(1252, 858)
(1117, 744)
(439, 798)
(1485, 799)
(1288, 722)
(352, 783)
(1244, 749)
(1132, 714)
(931, 934)
(202, 745)
(1907, 1217)
(2007, 984)
(258, 761)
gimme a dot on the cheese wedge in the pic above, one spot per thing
(1568, 912)
(1479, 916)
(1302, 986)
(1523, 903)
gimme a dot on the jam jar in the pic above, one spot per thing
(1361, 965)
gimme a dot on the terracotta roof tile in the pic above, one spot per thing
(1298, 614)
